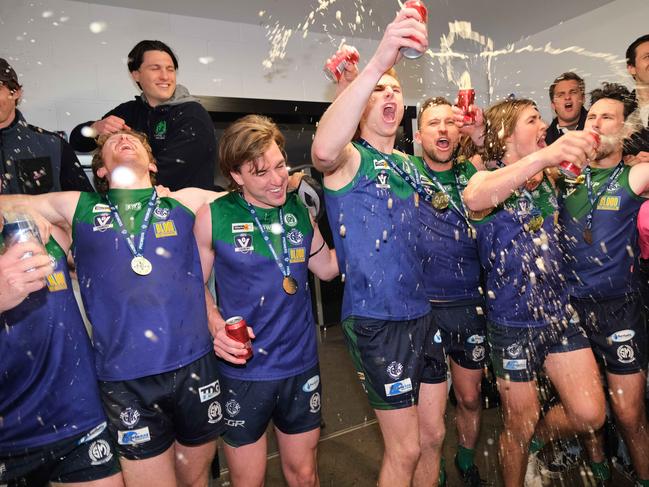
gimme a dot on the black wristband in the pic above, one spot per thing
(321, 247)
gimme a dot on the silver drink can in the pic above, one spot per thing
(20, 229)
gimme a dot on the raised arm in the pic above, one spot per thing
(57, 208)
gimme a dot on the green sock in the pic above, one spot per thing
(465, 457)
(442, 472)
(535, 445)
(601, 470)
(643, 483)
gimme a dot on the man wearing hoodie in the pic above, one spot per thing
(567, 100)
(177, 126)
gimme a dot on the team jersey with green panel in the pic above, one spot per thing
(523, 269)
(375, 226)
(605, 268)
(249, 284)
(142, 325)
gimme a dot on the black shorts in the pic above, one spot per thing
(85, 457)
(148, 414)
(617, 332)
(464, 329)
(292, 403)
(392, 358)
(518, 353)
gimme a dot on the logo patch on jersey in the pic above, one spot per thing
(622, 336)
(312, 384)
(614, 187)
(242, 227)
(210, 391)
(99, 452)
(514, 350)
(611, 203)
(161, 213)
(475, 339)
(523, 207)
(514, 364)
(625, 354)
(314, 403)
(56, 282)
(160, 131)
(243, 243)
(137, 206)
(397, 388)
(381, 164)
(394, 370)
(382, 179)
(134, 437)
(232, 407)
(295, 237)
(478, 353)
(165, 229)
(93, 433)
(214, 413)
(103, 222)
(129, 417)
(298, 254)
(101, 208)
(290, 219)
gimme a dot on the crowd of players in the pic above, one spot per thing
(482, 257)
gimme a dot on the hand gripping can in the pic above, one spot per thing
(19, 229)
(335, 67)
(411, 52)
(572, 171)
(237, 329)
(465, 101)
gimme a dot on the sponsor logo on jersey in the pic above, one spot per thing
(137, 206)
(475, 339)
(381, 164)
(210, 391)
(133, 437)
(290, 219)
(514, 350)
(103, 222)
(395, 369)
(235, 423)
(298, 254)
(611, 203)
(243, 243)
(625, 354)
(129, 417)
(214, 413)
(382, 179)
(312, 384)
(314, 403)
(514, 364)
(165, 229)
(397, 388)
(242, 227)
(161, 213)
(622, 336)
(232, 407)
(295, 237)
(614, 187)
(93, 433)
(56, 282)
(523, 207)
(478, 353)
(99, 452)
(101, 208)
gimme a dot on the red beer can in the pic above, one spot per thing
(237, 329)
(465, 100)
(572, 171)
(411, 52)
(335, 67)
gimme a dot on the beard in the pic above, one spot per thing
(433, 157)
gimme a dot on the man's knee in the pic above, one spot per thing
(469, 399)
(303, 475)
(404, 453)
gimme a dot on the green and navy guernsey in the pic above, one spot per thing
(449, 254)
(249, 284)
(142, 325)
(523, 269)
(48, 383)
(604, 269)
(375, 226)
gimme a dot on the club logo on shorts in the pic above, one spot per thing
(133, 437)
(161, 213)
(621, 336)
(397, 388)
(99, 452)
(312, 384)
(395, 369)
(103, 222)
(514, 350)
(129, 417)
(295, 237)
(519, 364)
(382, 180)
(475, 339)
(314, 403)
(290, 219)
(478, 353)
(214, 413)
(210, 391)
(625, 354)
(232, 407)
(243, 243)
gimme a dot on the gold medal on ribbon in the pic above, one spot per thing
(472, 232)
(289, 284)
(141, 265)
(535, 223)
(588, 236)
(440, 201)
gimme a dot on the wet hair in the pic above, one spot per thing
(136, 56)
(101, 184)
(631, 50)
(567, 76)
(245, 140)
(430, 102)
(615, 91)
(500, 122)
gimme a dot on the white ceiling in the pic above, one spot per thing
(504, 21)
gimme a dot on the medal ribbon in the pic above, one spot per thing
(589, 186)
(137, 252)
(283, 266)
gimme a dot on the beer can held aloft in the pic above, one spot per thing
(465, 101)
(335, 66)
(572, 171)
(411, 52)
(237, 329)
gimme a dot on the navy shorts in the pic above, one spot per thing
(85, 457)
(292, 403)
(518, 353)
(464, 329)
(617, 332)
(148, 414)
(392, 358)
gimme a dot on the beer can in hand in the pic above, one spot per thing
(237, 329)
(411, 52)
(572, 171)
(19, 228)
(465, 101)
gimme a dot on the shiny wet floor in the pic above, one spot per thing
(350, 449)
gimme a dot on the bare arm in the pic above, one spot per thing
(195, 198)
(323, 264)
(639, 179)
(57, 208)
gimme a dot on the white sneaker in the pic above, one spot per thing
(533, 476)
